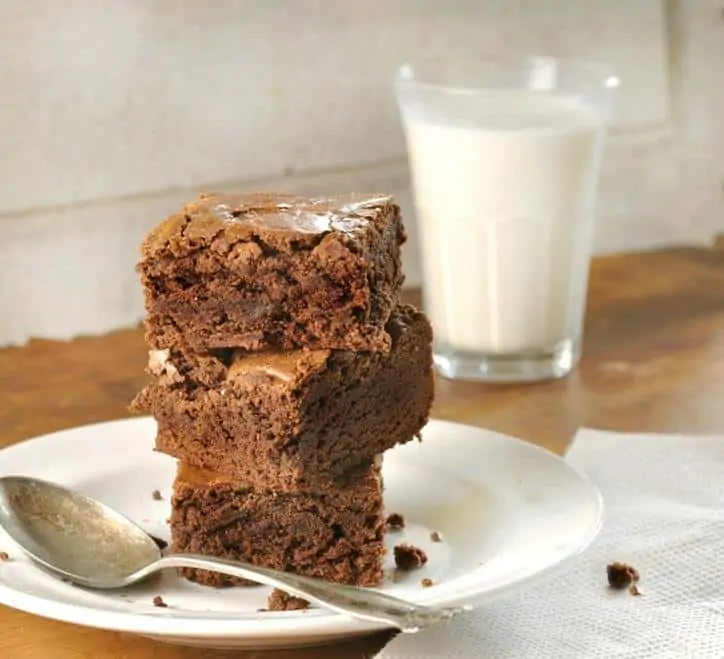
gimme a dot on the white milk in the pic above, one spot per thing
(504, 200)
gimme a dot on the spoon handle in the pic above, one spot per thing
(360, 603)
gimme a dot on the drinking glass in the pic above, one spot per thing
(504, 159)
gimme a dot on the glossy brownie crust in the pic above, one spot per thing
(271, 271)
(335, 533)
(283, 420)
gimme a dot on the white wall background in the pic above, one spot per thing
(113, 112)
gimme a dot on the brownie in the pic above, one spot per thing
(334, 532)
(271, 271)
(280, 420)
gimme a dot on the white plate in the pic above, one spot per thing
(508, 512)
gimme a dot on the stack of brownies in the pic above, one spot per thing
(283, 367)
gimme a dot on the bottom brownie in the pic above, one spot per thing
(335, 534)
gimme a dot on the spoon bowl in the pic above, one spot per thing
(72, 535)
(90, 544)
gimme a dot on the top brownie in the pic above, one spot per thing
(271, 271)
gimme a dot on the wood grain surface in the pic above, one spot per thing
(653, 361)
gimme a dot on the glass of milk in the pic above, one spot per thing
(504, 159)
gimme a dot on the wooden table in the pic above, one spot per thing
(654, 361)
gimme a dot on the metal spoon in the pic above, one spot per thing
(92, 545)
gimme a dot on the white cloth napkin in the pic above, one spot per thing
(664, 497)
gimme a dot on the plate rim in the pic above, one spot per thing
(268, 626)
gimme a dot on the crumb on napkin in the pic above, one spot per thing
(621, 575)
(427, 582)
(158, 601)
(156, 495)
(436, 536)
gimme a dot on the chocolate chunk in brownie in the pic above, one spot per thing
(273, 271)
(621, 575)
(409, 557)
(281, 601)
(171, 367)
(395, 522)
(335, 532)
(280, 420)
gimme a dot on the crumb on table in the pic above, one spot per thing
(395, 522)
(4, 556)
(409, 557)
(436, 536)
(621, 575)
(158, 601)
(427, 582)
(156, 494)
(281, 601)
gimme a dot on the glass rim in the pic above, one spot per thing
(406, 78)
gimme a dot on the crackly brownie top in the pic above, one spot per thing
(273, 217)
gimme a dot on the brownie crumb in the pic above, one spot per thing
(4, 557)
(156, 495)
(408, 557)
(160, 542)
(281, 601)
(158, 601)
(634, 590)
(621, 575)
(395, 522)
(427, 582)
(436, 536)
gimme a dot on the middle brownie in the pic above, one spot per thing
(283, 420)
